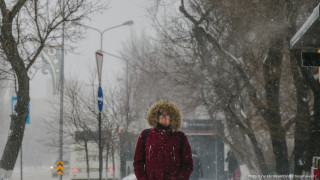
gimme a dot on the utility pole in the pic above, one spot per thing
(61, 91)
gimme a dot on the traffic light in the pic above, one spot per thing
(310, 59)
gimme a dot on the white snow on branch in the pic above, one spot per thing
(237, 60)
(243, 114)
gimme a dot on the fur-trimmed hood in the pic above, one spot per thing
(176, 118)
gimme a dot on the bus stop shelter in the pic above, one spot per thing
(307, 39)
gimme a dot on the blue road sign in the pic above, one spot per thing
(13, 104)
(100, 98)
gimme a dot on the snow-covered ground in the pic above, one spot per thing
(35, 174)
(130, 177)
(45, 174)
(244, 172)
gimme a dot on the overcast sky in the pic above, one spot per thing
(77, 64)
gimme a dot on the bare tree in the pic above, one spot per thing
(80, 120)
(121, 113)
(81, 117)
(26, 28)
(230, 57)
(269, 108)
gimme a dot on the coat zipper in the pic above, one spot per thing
(149, 152)
(174, 155)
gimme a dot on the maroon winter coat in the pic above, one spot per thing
(161, 159)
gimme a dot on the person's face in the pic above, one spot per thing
(165, 118)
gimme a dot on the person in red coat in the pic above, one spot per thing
(160, 157)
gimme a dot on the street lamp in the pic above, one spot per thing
(99, 59)
(127, 23)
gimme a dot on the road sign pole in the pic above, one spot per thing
(21, 172)
(100, 105)
(100, 149)
(99, 60)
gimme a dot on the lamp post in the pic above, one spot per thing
(99, 60)
(127, 23)
(61, 93)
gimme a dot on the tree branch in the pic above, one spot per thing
(239, 67)
(50, 27)
(3, 7)
(36, 19)
(187, 15)
(205, 15)
(17, 8)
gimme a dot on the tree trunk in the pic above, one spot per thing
(246, 131)
(17, 127)
(113, 164)
(87, 159)
(301, 129)
(272, 75)
(107, 159)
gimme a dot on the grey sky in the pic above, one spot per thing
(77, 64)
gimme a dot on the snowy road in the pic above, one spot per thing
(35, 174)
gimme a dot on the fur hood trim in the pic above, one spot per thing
(176, 117)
